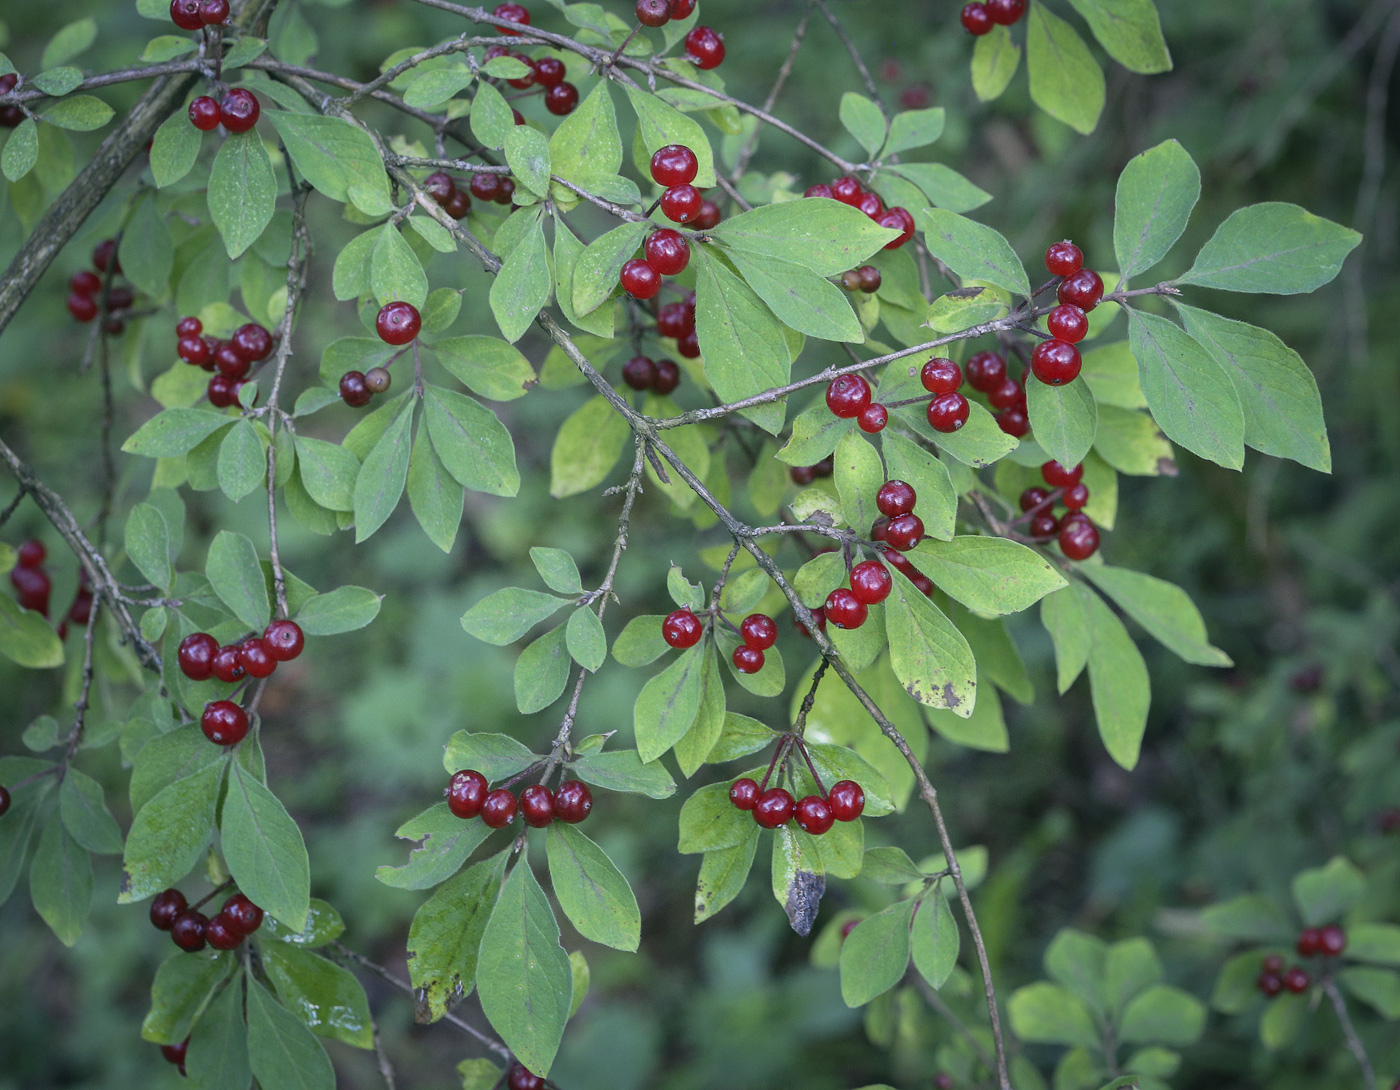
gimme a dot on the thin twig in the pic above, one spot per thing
(1358, 1050)
(946, 1012)
(741, 162)
(865, 77)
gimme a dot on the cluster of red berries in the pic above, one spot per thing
(442, 187)
(469, 796)
(848, 190)
(666, 252)
(30, 580)
(870, 584)
(850, 397)
(677, 320)
(232, 359)
(980, 16)
(986, 372)
(644, 373)
(522, 1078)
(1076, 532)
(775, 806)
(85, 290)
(807, 474)
(1312, 942)
(224, 722)
(657, 13)
(675, 167)
(237, 111)
(10, 116)
(397, 323)
(560, 96)
(1056, 361)
(198, 14)
(866, 279)
(191, 929)
(682, 629)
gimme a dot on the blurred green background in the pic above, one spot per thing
(1247, 775)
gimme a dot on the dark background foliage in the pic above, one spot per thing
(1247, 775)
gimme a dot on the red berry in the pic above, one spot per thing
(85, 282)
(1006, 12)
(668, 377)
(689, 346)
(239, 109)
(818, 615)
(255, 658)
(573, 801)
(759, 631)
(1067, 323)
(653, 13)
(1084, 289)
(561, 99)
(976, 19)
(1331, 940)
(1270, 984)
(196, 656)
(681, 9)
(485, 186)
(846, 799)
(1076, 497)
(774, 807)
(821, 189)
(941, 376)
(870, 582)
(896, 498)
(674, 320)
(498, 808)
(704, 47)
(1009, 395)
(514, 13)
(398, 322)
(1309, 942)
(639, 373)
(904, 532)
(528, 79)
(204, 113)
(1014, 422)
(522, 1078)
(252, 342)
(104, 254)
(847, 190)
(82, 307)
(900, 220)
(802, 474)
(221, 933)
(640, 280)
(1033, 497)
(675, 164)
(439, 185)
(682, 629)
(871, 205)
(188, 930)
(230, 364)
(681, 203)
(353, 390)
(224, 723)
(814, 815)
(185, 14)
(466, 791)
(1064, 259)
(747, 660)
(166, 908)
(4, 800)
(284, 640)
(34, 588)
(708, 217)
(844, 609)
(537, 806)
(213, 12)
(185, 327)
(1045, 526)
(225, 665)
(667, 251)
(1057, 476)
(1273, 964)
(194, 350)
(1296, 980)
(457, 205)
(549, 71)
(948, 412)
(120, 298)
(847, 396)
(873, 418)
(245, 916)
(1056, 362)
(1079, 538)
(743, 793)
(31, 553)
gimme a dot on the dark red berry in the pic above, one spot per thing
(873, 418)
(802, 475)
(814, 815)
(846, 799)
(1296, 980)
(398, 322)
(194, 350)
(747, 660)
(521, 1078)
(82, 307)
(1309, 942)
(1064, 259)
(457, 205)
(185, 14)
(485, 186)
(682, 629)
(639, 280)
(255, 657)
(104, 254)
(188, 930)
(941, 376)
(213, 12)
(759, 631)
(976, 19)
(4, 800)
(189, 327)
(176, 1053)
(85, 282)
(1270, 984)
(1044, 525)
(252, 342)
(514, 13)
(1033, 497)
(221, 933)
(498, 808)
(561, 99)
(31, 553)
(639, 373)
(1076, 497)
(674, 320)
(847, 396)
(1331, 940)
(844, 609)
(818, 615)
(466, 791)
(196, 656)
(773, 808)
(239, 109)
(1067, 323)
(1006, 12)
(537, 806)
(847, 190)
(675, 164)
(1056, 362)
(34, 587)
(245, 916)
(689, 346)
(221, 394)
(528, 79)
(225, 665)
(681, 203)
(230, 364)
(573, 801)
(1009, 395)
(1057, 476)
(743, 793)
(821, 189)
(704, 47)
(898, 219)
(870, 582)
(549, 71)
(667, 251)
(1084, 290)
(204, 113)
(668, 377)
(896, 498)
(1079, 538)
(904, 532)
(166, 908)
(871, 205)
(439, 185)
(708, 217)
(681, 9)
(353, 390)
(948, 412)
(284, 640)
(224, 723)
(847, 928)
(1273, 964)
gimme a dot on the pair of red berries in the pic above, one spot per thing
(849, 397)
(848, 190)
(1327, 941)
(191, 929)
(644, 373)
(522, 1078)
(677, 320)
(237, 111)
(357, 388)
(675, 167)
(201, 657)
(904, 530)
(469, 796)
(10, 116)
(979, 17)
(949, 410)
(85, 290)
(759, 632)
(560, 97)
(848, 607)
(442, 187)
(655, 13)
(197, 14)
(30, 580)
(865, 279)
(666, 254)
(808, 474)
(814, 814)
(1274, 979)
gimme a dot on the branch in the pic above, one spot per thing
(1358, 1050)
(742, 162)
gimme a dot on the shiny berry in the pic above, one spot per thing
(230, 364)
(166, 908)
(1331, 940)
(668, 377)
(82, 307)
(675, 164)
(561, 99)
(759, 631)
(34, 588)
(1309, 942)
(681, 9)
(1064, 259)
(573, 801)
(871, 205)
(196, 656)
(398, 322)
(242, 913)
(188, 930)
(1057, 476)
(284, 640)
(639, 280)
(457, 205)
(847, 396)
(498, 808)
(1296, 980)
(194, 350)
(221, 933)
(353, 390)
(224, 723)
(814, 815)
(747, 660)
(466, 791)
(898, 219)
(682, 629)
(85, 282)
(976, 19)
(1033, 497)
(639, 373)
(1079, 538)
(225, 665)
(1076, 497)
(485, 186)
(708, 217)
(846, 799)
(704, 47)
(870, 582)
(850, 280)
(802, 475)
(1067, 323)
(1056, 362)
(873, 418)
(1084, 290)
(681, 203)
(185, 14)
(378, 380)
(1006, 12)
(1009, 395)
(896, 498)
(904, 532)
(773, 808)
(204, 113)
(439, 185)
(528, 79)
(674, 320)
(549, 71)
(743, 793)
(948, 412)
(1044, 525)
(252, 342)
(818, 615)
(1273, 964)
(847, 190)
(1270, 984)
(31, 553)
(667, 251)
(537, 806)
(941, 376)
(213, 12)
(514, 13)
(821, 189)
(238, 110)
(844, 609)
(522, 1078)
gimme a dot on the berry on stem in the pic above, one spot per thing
(844, 609)
(1331, 940)
(252, 342)
(1033, 497)
(674, 320)
(704, 47)
(185, 14)
(549, 71)
(1079, 538)
(398, 323)
(904, 532)
(743, 793)
(225, 665)
(941, 376)
(221, 933)
(774, 807)
(466, 792)
(188, 930)
(871, 582)
(681, 203)
(895, 497)
(242, 913)
(86, 282)
(522, 1078)
(196, 656)
(353, 389)
(213, 12)
(537, 806)
(1010, 394)
(653, 13)
(847, 396)
(1309, 942)
(759, 631)
(1067, 323)
(639, 373)
(514, 13)
(238, 110)
(682, 629)
(31, 553)
(747, 660)
(639, 280)
(573, 801)
(1057, 476)
(897, 219)
(561, 99)
(1297, 980)
(104, 254)
(1084, 290)
(1056, 362)
(976, 20)
(709, 216)
(948, 412)
(667, 251)
(166, 908)
(873, 418)
(204, 114)
(668, 377)
(284, 640)
(498, 808)
(1006, 12)
(846, 799)
(1063, 259)
(255, 658)
(83, 308)
(675, 164)
(223, 722)
(814, 815)
(1076, 497)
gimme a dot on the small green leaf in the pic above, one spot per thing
(344, 609)
(1118, 680)
(522, 286)
(858, 475)
(591, 890)
(242, 191)
(723, 873)
(381, 479)
(803, 300)
(328, 471)
(335, 156)
(174, 432)
(1378, 988)
(180, 992)
(876, 954)
(557, 569)
(623, 770)
(488, 366)
(640, 642)
(825, 236)
(147, 250)
(709, 821)
(995, 59)
(264, 849)
(934, 940)
(815, 433)
(587, 141)
(1156, 193)
(587, 447)
(281, 1051)
(1323, 895)
(598, 267)
(542, 671)
(473, 444)
(60, 882)
(445, 936)
(435, 87)
(85, 814)
(863, 120)
(527, 155)
(988, 574)
(495, 756)
(1272, 247)
(973, 250)
(1163, 1015)
(236, 576)
(71, 40)
(929, 655)
(1064, 419)
(668, 703)
(588, 644)
(503, 617)
(914, 129)
(1378, 942)
(174, 150)
(1129, 31)
(79, 113)
(395, 271)
(1066, 82)
(1251, 917)
(21, 150)
(242, 462)
(1048, 1014)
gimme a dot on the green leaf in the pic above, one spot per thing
(1163, 1015)
(21, 150)
(281, 1050)
(336, 157)
(527, 154)
(62, 80)
(245, 49)
(542, 671)
(1132, 443)
(928, 654)
(973, 250)
(876, 954)
(523, 975)
(557, 569)
(1118, 680)
(1324, 894)
(27, 638)
(805, 301)
(174, 432)
(328, 471)
(858, 475)
(381, 479)
(1249, 916)
(1378, 988)
(942, 185)
(264, 850)
(723, 873)
(588, 644)
(995, 59)
(1272, 247)
(236, 576)
(242, 462)
(1066, 81)
(69, 42)
(446, 841)
(242, 191)
(503, 617)
(169, 834)
(174, 149)
(1045, 1013)
(1282, 407)
(914, 129)
(591, 890)
(988, 574)
(659, 124)
(587, 141)
(596, 271)
(435, 497)
(640, 642)
(1064, 419)
(488, 366)
(349, 279)
(863, 120)
(934, 940)
(587, 447)
(60, 882)
(491, 117)
(668, 703)
(1378, 942)
(1078, 961)
(445, 936)
(473, 444)
(79, 113)
(963, 308)
(1163, 608)
(815, 433)
(435, 87)
(495, 756)
(395, 271)
(85, 814)
(147, 251)
(623, 770)
(1156, 193)
(344, 609)
(709, 821)
(180, 992)
(1129, 31)
(1190, 393)
(217, 1057)
(825, 236)
(522, 286)
(325, 996)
